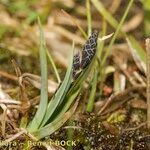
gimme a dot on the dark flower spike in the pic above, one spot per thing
(76, 64)
(89, 49)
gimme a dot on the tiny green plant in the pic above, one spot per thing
(51, 116)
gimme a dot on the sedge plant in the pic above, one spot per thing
(51, 115)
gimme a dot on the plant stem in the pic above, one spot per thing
(88, 13)
(148, 81)
(117, 31)
(90, 104)
(53, 65)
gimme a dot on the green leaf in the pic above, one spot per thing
(53, 66)
(56, 124)
(138, 53)
(90, 104)
(103, 11)
(146, 5)
(88, 14)
(33, 126)
(117, 31)
(61, 92)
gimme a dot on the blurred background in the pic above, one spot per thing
(19, 31)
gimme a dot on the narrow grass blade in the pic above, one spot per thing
(102, 10)
(53, 66)
(106, 37)
(33, 126)
(147, 43)
(101, 43)
(119, 82)
(138, 53)
(88, 14)
(76, 23)
(92, 93)
(61, 92)
(55, 125)
(146, 5)
(117, 31)
(100, 53)
(67, 102)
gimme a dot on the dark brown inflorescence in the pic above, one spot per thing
(88, 52)
(89, 49)
(76, 64)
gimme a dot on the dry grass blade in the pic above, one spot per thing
(139, 78)
(105, 37)
(75, 22)
(35, 80)
(133, 23)
(103, 11)
(138, 53)
(88, 14)
(52, 147)
(3, 119)
(67, 34)
(7, 75)
(15, 136)
(25, 104)
(126, 94)
(114, 6)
